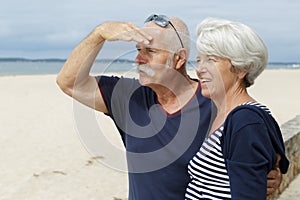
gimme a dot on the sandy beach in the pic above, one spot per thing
(43, 155)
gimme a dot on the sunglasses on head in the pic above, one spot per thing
(163, 21)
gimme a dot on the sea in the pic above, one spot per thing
(20, 66)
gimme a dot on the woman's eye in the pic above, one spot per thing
(211, 59)
(198, 60)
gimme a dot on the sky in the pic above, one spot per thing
(52, 28)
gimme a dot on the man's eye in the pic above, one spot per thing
(150, 50)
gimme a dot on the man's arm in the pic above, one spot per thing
(74, 78)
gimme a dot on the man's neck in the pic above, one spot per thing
(175, 97)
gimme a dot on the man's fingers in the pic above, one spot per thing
(271, 183)
(125, 31)
(270, 191)
(140, 31)
(133, 33)
(278, 160)
(272, 174)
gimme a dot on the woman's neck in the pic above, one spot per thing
(226, 104)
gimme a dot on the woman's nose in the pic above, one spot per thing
(201, 68)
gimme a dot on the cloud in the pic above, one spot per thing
(59, 25)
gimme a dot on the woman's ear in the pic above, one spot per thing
(242, 74)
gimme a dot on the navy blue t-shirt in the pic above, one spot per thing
(158, 145)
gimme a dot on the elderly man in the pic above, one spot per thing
(162, 117)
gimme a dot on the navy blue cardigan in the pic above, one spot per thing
(251, 141)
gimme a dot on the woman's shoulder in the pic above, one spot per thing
(249, 113)
(254, 106)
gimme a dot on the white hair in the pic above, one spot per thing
(236, 42)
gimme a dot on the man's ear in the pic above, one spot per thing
(180, 58)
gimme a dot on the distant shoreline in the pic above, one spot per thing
(58, 60)
(24, 66)
(17, 59)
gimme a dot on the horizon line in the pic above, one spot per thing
(12, 59)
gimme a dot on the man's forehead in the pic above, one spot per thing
(160, 36)
(153, 29)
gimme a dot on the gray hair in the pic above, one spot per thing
(236, 42)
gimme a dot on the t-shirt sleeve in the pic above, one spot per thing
(106, 85)
(116, 92)
(250, 155)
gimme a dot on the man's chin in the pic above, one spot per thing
(143, 82)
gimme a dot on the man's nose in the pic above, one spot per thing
(140, 58)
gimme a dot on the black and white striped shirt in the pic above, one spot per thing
(209, 177)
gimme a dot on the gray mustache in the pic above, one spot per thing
(146, 69)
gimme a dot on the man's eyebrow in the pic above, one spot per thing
(143, 47)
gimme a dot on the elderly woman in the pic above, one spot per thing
(244, 139)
